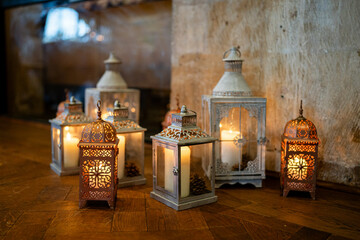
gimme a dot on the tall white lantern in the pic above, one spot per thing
(112, 86)
(232, 115)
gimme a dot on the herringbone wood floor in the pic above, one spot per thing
(37, 204)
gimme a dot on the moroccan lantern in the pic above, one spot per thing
(112, 86)
(235, 117)
(299, 156)
(98, 164)
(131, 147)
(65, 135)
(183, 159)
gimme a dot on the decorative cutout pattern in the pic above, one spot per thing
(300, 167)
(300, 128)
(183, 134)
(99, 132)
(301, 148)
(125, 124)
(97, 153)
(96, 173)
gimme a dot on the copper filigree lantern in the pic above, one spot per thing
(112, 86)
(183, 160)
(65, 135)
(299, 154)
(98, 164)
(131, 147)
(238, 119)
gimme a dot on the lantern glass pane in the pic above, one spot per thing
(71, 137)
(56, 144)
(238, 137)
(195, 170)
(131, 154)
(165, 165)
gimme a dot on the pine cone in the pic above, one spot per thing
(197, 185)
(131, 170)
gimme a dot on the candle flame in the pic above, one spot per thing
(132, 109)
(220, 125)
(68, 136)
(66, 128)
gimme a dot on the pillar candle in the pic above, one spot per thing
(230, 153)
(71, 151)
(121, 156)
(169, 165)
(185, 171)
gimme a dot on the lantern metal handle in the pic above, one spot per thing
(175, 171)
(233, 48)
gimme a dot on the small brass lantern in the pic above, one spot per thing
(131, 147)
(238, 119)
(112, 86)
(183, 160)
(299, 156)
(98, 164)
(65, 135)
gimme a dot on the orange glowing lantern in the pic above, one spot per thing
(98, 164)
(299, 154)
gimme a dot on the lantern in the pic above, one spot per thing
(183, 159)
(131, 147)
(232, 115)
(98, 165)
(112, 86)
(299, 154)
(65, 135)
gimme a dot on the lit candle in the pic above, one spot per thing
(185, 171)
(71, 151)
(297, 168)
(230, 153)
(121, 156)
(169, 165)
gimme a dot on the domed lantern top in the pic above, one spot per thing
(99, 131)
(72, 114)
(112, 78)
(183, 129)
(119, 118)
(300, 128)
(232, 83)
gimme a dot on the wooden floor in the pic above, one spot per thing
(35, 203)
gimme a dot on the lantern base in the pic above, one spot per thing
(256, 182)
(64, 172)
(127, 182)
(183, 206)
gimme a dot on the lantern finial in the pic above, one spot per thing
(301, 109)
(184, 109)
(72, 100)
(99, 111)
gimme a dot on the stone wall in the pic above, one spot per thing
(293, 50)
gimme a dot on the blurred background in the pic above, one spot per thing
(51, 46)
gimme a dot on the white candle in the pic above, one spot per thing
(121, 157)
(71, 151)
(185, 171)
(169, 165)
(230, 153)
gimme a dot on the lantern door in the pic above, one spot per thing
(195, 170)
(97, 170)
(240, 131)
(165, 166)
(131, 158)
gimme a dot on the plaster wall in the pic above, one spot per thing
(293, 50)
